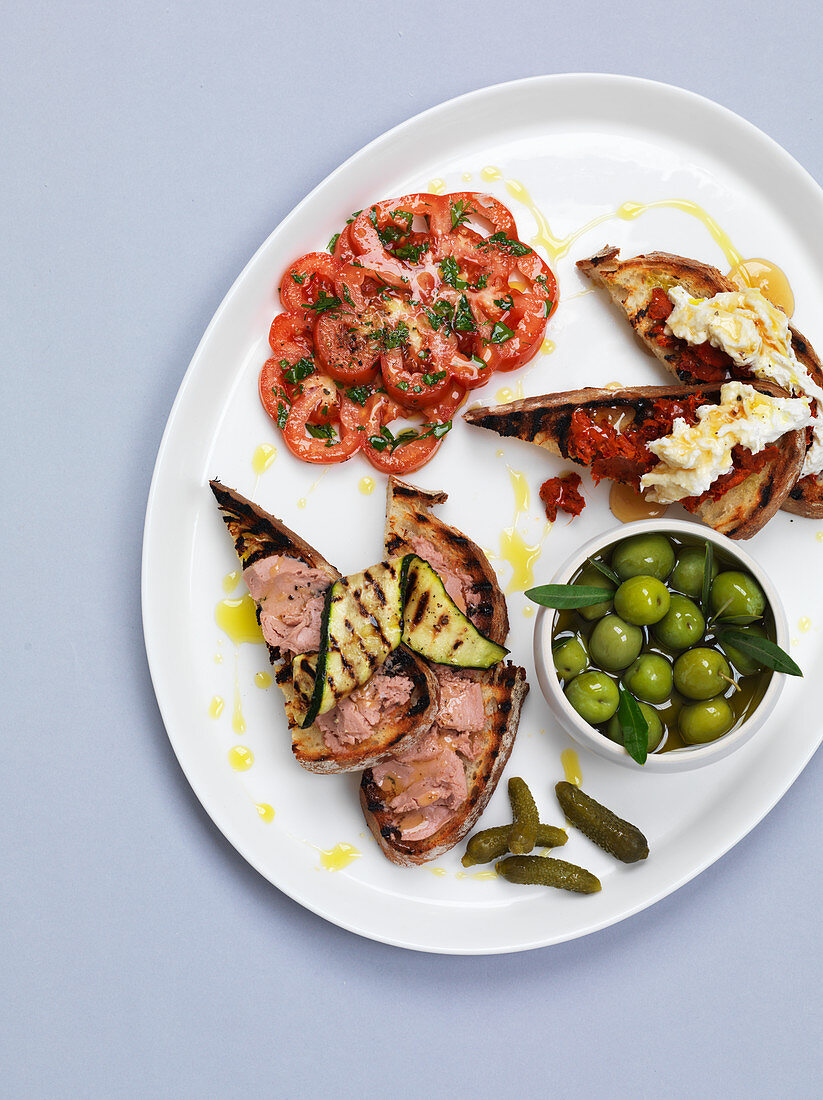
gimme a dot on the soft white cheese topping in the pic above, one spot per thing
(694, 456)
(755, 333)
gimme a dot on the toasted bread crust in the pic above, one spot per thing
(630, 284)
(257, 535)
(504, 689)
(408, 515)
(739, 513)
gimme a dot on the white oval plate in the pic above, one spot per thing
(583, 145)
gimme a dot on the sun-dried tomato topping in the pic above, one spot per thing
(659, 305)
(624, 455)
(562, 493)
(745, 463)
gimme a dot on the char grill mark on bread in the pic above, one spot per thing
(258, 535)
(739, 513)
(630, 284)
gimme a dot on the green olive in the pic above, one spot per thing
(655, 727)
(643, 555)
(649, 678)
(705, 721)
(745, 663)
(594, 696)
(570, 658)
(701, 673)
(682, 626)
(592, 576)
(614, 644)
(737, 596)
(687, 575)
(642, 600)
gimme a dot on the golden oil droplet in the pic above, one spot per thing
(339, 857)
(238, 618)
(614, 386)
(366, 485)
(231, 581)
(461, 874)
(241, 758)
(238, 722)
(266, 812)
(805, 625)
(436, 186)
(548, 346)
(485, 874)
(466, 177)
(521, 557)
(218, 658)
(819, 536)
(263, 458)
(500, 453)
(262, 679)
(571, 767)
(628, 504)
(628, 211)
(528, 611)
(768, 278)
(504, 396)
(439, 871)
(490, 173)
(216, 706)
(302, 502)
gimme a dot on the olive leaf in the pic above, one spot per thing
(604, 569)
(633, 726)
(708, 565)
(562, 597)
(768, 653)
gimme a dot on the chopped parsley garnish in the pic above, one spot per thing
(333, 242)
(433, 379)
(356, 214)
(463, 317)
(549, 304)
(450, 271)
(299, 279)
(506, 244)
(480, 362)
(460, 212)
(411, 252)
(325, 301)
(358, 394)
(396, 337)
(403, 386)
(386, 440)
(440, 315)
(322, 431)
(296, 372)
(481, 282)
(500, 333)
(403, 216)
(505, 303)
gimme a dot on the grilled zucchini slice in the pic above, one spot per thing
(359, 629)
(433, 624)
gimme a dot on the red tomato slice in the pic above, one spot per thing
(321, 450)
(349, 351)
(305, 281)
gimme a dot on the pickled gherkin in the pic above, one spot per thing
(618, 837)
(545, 871)
(490, 844)
(523, 832)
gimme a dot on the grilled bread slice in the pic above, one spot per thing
(631, 284)
(739, 513)
(409, 519)
(258, 535)
(503, 687)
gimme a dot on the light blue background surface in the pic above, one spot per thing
(145, 152)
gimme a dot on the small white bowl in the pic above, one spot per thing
(676, 760)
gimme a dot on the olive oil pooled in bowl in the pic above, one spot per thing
(661, 644)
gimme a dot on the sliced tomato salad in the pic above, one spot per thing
(417, 301)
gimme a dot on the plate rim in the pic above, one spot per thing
(204, 797)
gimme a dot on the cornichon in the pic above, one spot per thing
(523, 831)
(618, 837)
(490, 844)
(545, 871)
